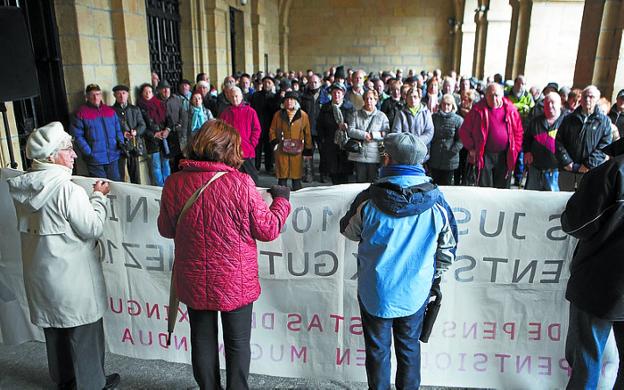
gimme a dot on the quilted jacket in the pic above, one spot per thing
(216, 261)
(97, 133)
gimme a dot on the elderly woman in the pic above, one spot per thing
(59, 226)
(335, 116)
(198, 114)
(414, 118)
(216, 262)
(369, 126)
(445, 145)
(156, 133)
(291, 139)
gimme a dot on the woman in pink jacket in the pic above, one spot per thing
(216, 264)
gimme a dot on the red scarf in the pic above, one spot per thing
(154, 108)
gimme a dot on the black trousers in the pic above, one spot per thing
(366, 172)
(205, 347)
(133, 169)
(339, 178)
(76, 356)
(494, 172)
(264, 147)
(249, 168)
(442, 177)
(296, 183)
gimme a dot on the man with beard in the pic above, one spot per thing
(311, 104)
(356, 91)
(266, 103)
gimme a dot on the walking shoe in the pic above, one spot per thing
(112, 381)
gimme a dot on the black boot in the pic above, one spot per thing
(112, 381)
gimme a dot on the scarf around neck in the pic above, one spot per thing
(402, 170)
(198, 119)
(154, 108)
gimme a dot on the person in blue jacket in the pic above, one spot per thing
(97, 133)
(407, 238)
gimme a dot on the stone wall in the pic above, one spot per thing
(271, 35)
(373, 35)
(103, 42)
(553, 43)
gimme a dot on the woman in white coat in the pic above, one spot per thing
(59, 225)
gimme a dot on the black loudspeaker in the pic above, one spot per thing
(18, 73)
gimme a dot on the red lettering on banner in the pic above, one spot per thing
(356, 326)
(149, 342)
(127, 336)
(491, 331)
(565, 366)
(510, 329)
(154, 309)
(537, 332)
(554, 332)
(315, 323)
(110, 299)
(337, 323)
(294, 319)
(134, 309)
(462, 358)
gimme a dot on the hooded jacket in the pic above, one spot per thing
(59, 226)
(407, 235)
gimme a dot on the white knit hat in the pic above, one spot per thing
(46, 140)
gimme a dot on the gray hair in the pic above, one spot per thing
(591, 88)
(65, 143)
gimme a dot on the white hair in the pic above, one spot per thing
(591, 88)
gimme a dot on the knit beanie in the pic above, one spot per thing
(46, 140)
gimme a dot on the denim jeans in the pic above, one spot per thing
(160, 169)
(542, 180)
(585, 344)
(205, 347)
(378, 335)
(105, 171)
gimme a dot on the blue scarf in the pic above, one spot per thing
(402, 170)
(198, 119)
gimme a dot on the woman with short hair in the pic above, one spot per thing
(445, 145)
(414, 118)
(156, 133)
(369, 126)
(216, 261)
(291, 139)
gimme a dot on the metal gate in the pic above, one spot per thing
(163, 31)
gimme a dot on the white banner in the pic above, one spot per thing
(502, 324)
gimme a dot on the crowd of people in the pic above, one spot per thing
(487, 133)
(405, 135)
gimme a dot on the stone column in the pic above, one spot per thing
(587, 48)
(257, 35)
(497, 38)
(468, 30)
(481, 23)
(518, 37)
(129, 20)
(455, 25)
(608, 47)
(193, 38)
(218, 40)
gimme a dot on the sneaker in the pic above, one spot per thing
(112, 381)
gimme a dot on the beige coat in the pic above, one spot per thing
(289, 166)
(59, 226)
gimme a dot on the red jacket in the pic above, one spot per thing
(244, 119)
(473, 133)
(216, 260)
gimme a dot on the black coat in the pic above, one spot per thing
(130, 118)
(581, 141)
(334, 159)
(266, 106)
(595, 215)
(540, 144)
(312, 107)
(445, 145)
(391, 107)
(617, 119)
